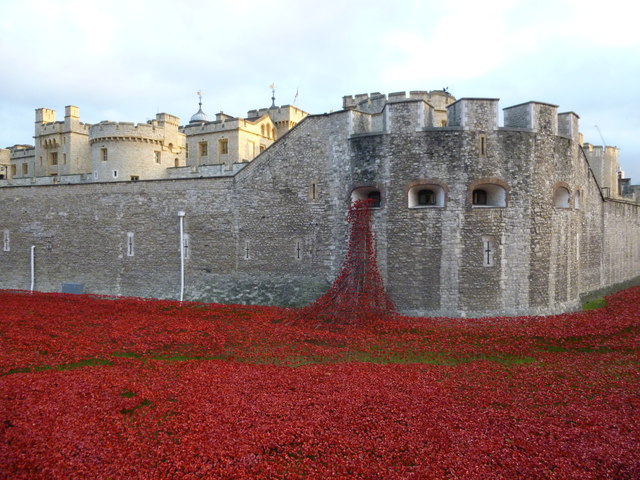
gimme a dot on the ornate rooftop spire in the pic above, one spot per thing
(199, 116)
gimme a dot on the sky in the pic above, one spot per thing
(128, 60)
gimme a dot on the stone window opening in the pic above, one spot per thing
(313, 191)
(130, 251)
(64, 158)
(488, 251)
(482, 145)
(203, 149)
(247, 253)
(115, 174)
(488, 195)
(156, 155)
(6, 246)
(176, 163)
(479, 196)
(223, 146)
(367, 193)
(103, 154)
(426, 195)
(298, 250)
(577, 200)
(25, 169)
(134, 178)
(53, 158)
(561, 197)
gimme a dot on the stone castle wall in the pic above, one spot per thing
(275, 231)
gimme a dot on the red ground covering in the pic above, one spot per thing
(135, 389)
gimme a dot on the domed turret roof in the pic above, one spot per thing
(199, 116)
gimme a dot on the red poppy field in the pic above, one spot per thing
(98, 388)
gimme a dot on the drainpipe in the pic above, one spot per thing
(181, 215)
(33, 266)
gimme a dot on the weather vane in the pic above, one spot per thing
(273, 95)
(199, 93)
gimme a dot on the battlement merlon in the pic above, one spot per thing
(45, 115)
(536, 116)
(473, 114)
(568, 126)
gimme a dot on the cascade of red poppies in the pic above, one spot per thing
(357, 296)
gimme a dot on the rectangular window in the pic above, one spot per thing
(223, 146)
(488, 251)
(25, 169)
(246, 250)
(40, 161)
(103, 154)
(5, 243)
(157, 156)
(130, 244)
(64, 158)
(313, 191)
(115, 174)
(135, 178)
(203, 149)
(13, 170)
(482, 145)
(54, 158)
(298, 250)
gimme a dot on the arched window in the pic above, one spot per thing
(176, 162)
(367, 193)
(577, 200)
(488, 195)
(262, 130)
(479, 196)
(561, 197)
(376, 199)
(426, 195)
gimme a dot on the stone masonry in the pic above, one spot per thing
(473, 218)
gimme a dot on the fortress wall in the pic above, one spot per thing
(276, 232)
(80, 235)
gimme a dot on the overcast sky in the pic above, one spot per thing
(128, 60)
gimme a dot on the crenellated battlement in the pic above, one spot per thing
(375, 102)
(126, 131)
(401, 112)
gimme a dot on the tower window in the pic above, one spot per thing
(223, 146)
(482, 145)
(156, 155)
(375, 198)
(54, 158)
(479, 197)
(103, 154)
(367, 193)
(426, 197)
(5, 243)
(203, 149)
(561, 197)
(130, 251)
